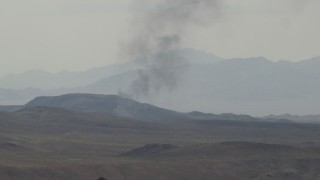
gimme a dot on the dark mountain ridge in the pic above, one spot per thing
(111, 104)
(124, 107)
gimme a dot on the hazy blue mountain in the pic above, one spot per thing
(47, 81)
(21, 88)
(308, 66)
(110, 85)
(18, 97)
(248, 86)
(255, 86)
(296, 118)
(10, 108)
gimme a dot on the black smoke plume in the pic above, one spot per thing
(158, 32)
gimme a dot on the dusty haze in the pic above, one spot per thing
(78, 35)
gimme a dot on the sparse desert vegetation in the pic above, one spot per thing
(51, 143)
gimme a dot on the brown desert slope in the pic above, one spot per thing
(56, 143)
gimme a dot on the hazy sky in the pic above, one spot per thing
(57, 35)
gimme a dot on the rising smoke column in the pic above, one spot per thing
(159, 32)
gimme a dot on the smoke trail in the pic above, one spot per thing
(159, 33)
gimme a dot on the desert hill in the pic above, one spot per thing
(107, 104)
(222, 150)
(119, 106)
(80, 136)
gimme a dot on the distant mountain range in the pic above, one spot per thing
(255, 86)
(40, 79)
(296, 118)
